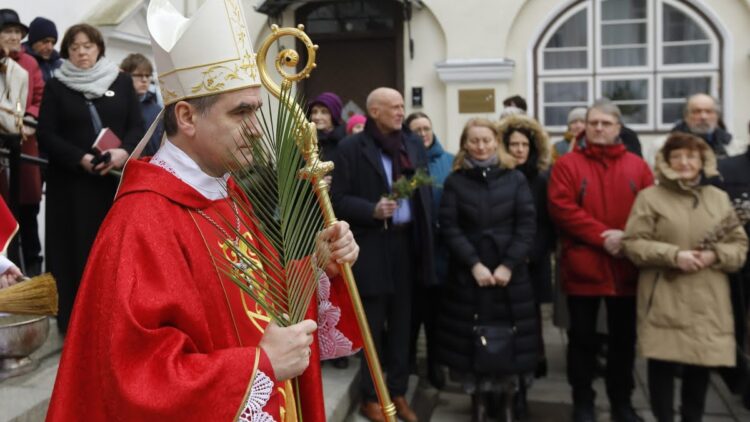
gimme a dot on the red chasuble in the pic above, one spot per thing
(158, 333)
(8, 225)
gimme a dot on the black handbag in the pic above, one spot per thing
(494, 346)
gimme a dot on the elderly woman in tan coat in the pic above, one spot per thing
(684, 307)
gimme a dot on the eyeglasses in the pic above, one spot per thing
(146, 76)
(604, 123)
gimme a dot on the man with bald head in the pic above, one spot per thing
(395, 236)
(701, 118)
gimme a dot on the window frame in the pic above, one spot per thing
(714, 91)
(655, 71)
(589, 41)
(600, 69)
(632, 77)
(540, 88)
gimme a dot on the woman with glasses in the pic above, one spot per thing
(88, 94)
(141, 70)
(425, 306)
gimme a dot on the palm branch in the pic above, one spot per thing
(278, 269)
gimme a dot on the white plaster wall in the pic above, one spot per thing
(733, 20)
(429, 48)
(65, 13)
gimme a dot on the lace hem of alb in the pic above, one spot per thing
(260, 393)
(333, 343)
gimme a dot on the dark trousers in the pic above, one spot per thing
(29, 230)
(583, 344)
(661, 376)
(425, 306)
(389, 318)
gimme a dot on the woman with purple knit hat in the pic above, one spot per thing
(325, 112)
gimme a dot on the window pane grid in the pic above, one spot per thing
(623, 46)
(682, 43)
(641, 46)
(623, 21)
(564, 49)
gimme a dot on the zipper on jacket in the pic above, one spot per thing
(651, 295)
(582, 192)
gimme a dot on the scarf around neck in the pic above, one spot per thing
(393, 146)
(92, 82)
(470, 163)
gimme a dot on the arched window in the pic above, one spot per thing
(647, 56)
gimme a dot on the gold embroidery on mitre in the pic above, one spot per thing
(246, 56)
(239, 70)
(215, 78)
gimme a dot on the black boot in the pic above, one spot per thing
(520, 402)
(584, 413)
(478, 408)
(625, 413)
(436, 376)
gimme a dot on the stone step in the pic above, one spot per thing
(341, 389)
(25, 398)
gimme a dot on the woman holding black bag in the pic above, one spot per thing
(487, 328)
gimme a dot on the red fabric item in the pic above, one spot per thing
(8, 226)
(157, 333)
(592, 190)
(36, 81)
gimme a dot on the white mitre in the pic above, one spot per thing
(207, 54)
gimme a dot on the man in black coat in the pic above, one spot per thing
(701, 118)
(735, 180)
(395, 236)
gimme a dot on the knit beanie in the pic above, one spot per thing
(354, 121)
(41, 28)
(332, 102)
(578, 113)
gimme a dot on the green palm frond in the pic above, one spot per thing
(278, 269)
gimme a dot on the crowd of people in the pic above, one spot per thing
(594, 222)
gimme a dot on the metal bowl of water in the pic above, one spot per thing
(20, 336)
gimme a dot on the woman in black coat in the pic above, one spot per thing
(528, 145)
(488, 222)
(88, 93)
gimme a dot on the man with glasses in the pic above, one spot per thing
(141, 70)
(591, 191)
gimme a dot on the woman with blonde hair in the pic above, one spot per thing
(488, 222)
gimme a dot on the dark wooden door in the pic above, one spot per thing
(360, 47)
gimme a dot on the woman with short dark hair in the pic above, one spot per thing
(679, 236)
(88, 94)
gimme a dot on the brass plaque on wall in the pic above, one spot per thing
(476, 100)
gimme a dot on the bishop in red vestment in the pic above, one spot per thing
(158, 333)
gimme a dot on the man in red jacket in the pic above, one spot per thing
(591, 191)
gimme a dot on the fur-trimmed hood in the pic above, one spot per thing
(666, 176)
(541, 139)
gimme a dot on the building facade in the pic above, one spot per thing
(459, 59)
